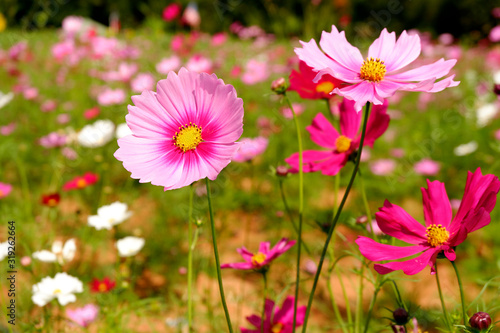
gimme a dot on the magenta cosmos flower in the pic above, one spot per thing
(340, 146)
(381, 74)
(276, 320)
(183, 132)
(262, 258)
(441, 233)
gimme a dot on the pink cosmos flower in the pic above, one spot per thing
(111, 97)
(218, 39)
(297, 107)
(383, 167)
(171, 12)
(83, 316)
(200, 64)
(380, 75)
(5, 189)
(80, 182)
(277, 320)
(255, 72)
(183, 132)
(191, 16)
(340, 146)
(30, 93)
(250, 148)
(71, 25)
(168, 64)
(427, 167)
(143, 81)
(263, 258)
(8, 129)
(53, 140)
(48, 106)
(494, 35)
(441, 234)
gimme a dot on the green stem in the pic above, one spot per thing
(190, 260)
(301, 211)
(445, 313)
(462, 298)
(217, 261)
(332, 296)
(264, 305)
(372, 303)
(336, 218)
(359, 299)
(367, 206)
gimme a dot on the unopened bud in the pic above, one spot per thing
(279, 86)
(281, 171)
(400, 316)
(496, 89)
(480, 320)
(362, 219)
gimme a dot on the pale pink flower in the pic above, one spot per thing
(71, 25)
(218, 39)
(167, 65)
(63, 118)
(183, 132)
(297, 107)
(69, 153)
(53, 140)
(381, 74)
(497, 134)
(191, 16)
(111, 97)
(83, 316)
(30, 93)
(143, 81)
(255, 72)
(48, 106)
(427, 167)
(250, 148)
(383, 167)
(8, 129)
(494, 35)
(199, 64)
(62, 49)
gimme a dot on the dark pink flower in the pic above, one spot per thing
(263, 257)
(80, 182)
(441, 234)
(340, 146)
(276, 320)
(171, 12)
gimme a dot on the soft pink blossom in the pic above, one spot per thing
(63, 49)
(191, 16)
(53, 140)
(63, 118)
(494, 35)
(71, 25)
(111, 97)
(383, 167)
(167, 65)
(381, 74)
(497, 134)
(83, 316)
(255, 71)
(8, 129)
(143, 81)
(441, 233)
(199, 64)
(297, 107)
(48, 105)
(184, 132)
(250, 148)
(397, 152)
(5, 189)
(218, 39)
(30, 93)
(427, 167)
(69, 153)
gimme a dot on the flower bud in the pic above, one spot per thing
(362, 219)
(279, 86)
(496, 89)
(400, 316)
(281, 171)
(480, 320)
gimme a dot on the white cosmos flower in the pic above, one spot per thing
(5, 98)
(129, 246)
(485, 114)
(60, 253)
(97, 134)
(122, 130)
(4, 250)
(62, 286)
(109, 216)
(465, 149)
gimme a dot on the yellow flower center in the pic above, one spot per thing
(81, 183)
(102, 287)
(372, 70)
(52, 202)
(343, 143)
(325, 87)
(57, 291)
(437, 235)
(188, 137)
(258, 259)
(277, 328)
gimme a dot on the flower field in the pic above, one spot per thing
(155, 181)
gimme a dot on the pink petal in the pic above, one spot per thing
(309, 160)
(281, 247)
(216, 156)
(349, 119)
(411, 266)
(450, 254)
(400, 54)
(247, 255)
(383, 47)
(437, 207)
(435, 70)
(395, 222)
(340, 50)
(264, 247)
(238, 265)
(322, 132)
(332, 165)
(377, 252)
(361, 93)
(476, 221)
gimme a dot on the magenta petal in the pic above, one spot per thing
(309, 160)
(377, 123)
(264, 247)
(238, 265)
(395, 222)
(349, 119)
(377, 252)
(322, 132)
(450, 254)
(476, 221)
(437, 207)
(247, 255)
(254, 320)
(332, 165)
(411, 266)
(281, 247)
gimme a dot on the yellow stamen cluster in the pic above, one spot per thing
(325, 87)
(52, 202)
(437, 235)
(102, 287)
(258, 259)
(188, 137)
(277, 328)
(343, 143)
(81, 183)
(57, 291)
(372, 70)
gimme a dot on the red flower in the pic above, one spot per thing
(91, 113)
(51, 200)
(80, 182)
(302, 83)
(102, 286)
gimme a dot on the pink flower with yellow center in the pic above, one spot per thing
(263, 257)
(183, 132)
(382, 73)
(276, 320)
(340, 146)
(441, 234)
(80, 182)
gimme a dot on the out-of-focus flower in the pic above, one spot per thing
(25, 261)
(97, 134)
(485, 114)
(69, 153)
(466, 148)
(72, 25)
(62, 286)
(167, 65)
(3, 22)
(427, 167)
(302, 82)
(53, 140)
(4, 250)
(111, 97)
(199, 64)
(441, 234)
(122, 130)
(297, 107)
(109, 216)
(276, 319)
(143, 81)
(51, 199)
(380, 75)
(129, 246)
(102, 286)
(480, 321)
(30, 93)
(91, 113)
(263, 258)
(191, 16)
(182, 133)
(218, 39)
(48, 106)
(494, 34)
(250, 148)
(255, 71)
(83, 316)
(63, 118)
(171, 12)
(5, 189)
(5, 98)
(383, 167)
(80, 182)
(7, 129)
(376, 228)
(60, 253)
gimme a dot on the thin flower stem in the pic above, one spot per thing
(445, 313)
(190, 260)
(462, 298)
(336, 218)
(372, 303)
(264, 305)
(359, 299)
(332, 296)
(217, 261)
(301, 210)
(367, 206)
